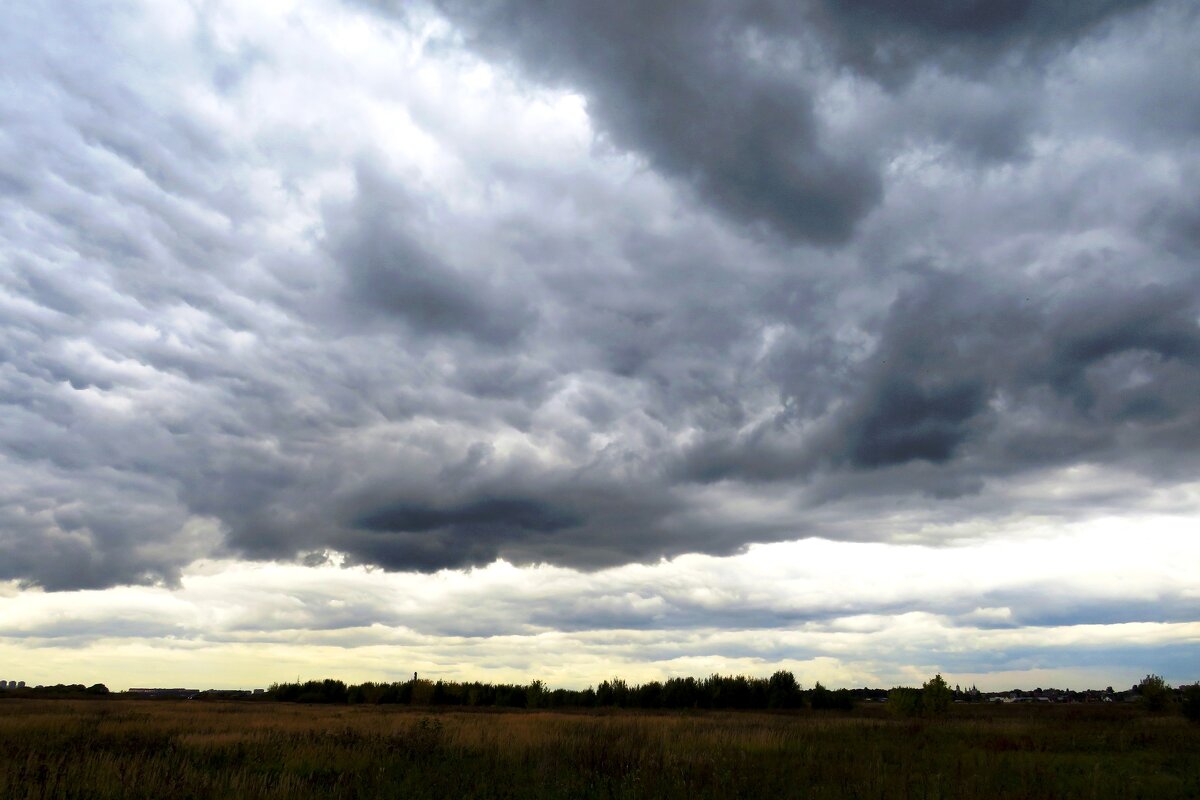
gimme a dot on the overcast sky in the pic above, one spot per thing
(514, 340)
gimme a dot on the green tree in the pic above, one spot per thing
(936, 695)
(783, 691)
(1155, 692)
(535, 695)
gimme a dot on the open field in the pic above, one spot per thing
(146, 749)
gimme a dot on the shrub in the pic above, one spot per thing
(823, 698)
(905, 701)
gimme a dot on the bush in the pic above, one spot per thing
(905, 701)
(822, 698)
(932, 699)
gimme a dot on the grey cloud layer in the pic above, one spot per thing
(826, 268)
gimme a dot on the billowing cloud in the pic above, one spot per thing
(587, 284)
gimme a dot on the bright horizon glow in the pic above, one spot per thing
(820, 608)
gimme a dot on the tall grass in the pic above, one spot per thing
(131, 749)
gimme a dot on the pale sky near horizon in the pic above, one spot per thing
(510, 340)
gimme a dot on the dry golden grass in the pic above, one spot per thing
(127, 748)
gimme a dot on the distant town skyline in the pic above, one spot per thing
(511, 340)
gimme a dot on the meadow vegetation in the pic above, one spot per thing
(122, 748)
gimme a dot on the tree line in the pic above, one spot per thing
(779, 691)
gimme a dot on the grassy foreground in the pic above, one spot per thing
(141, 749)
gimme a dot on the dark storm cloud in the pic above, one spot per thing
(976, 379)
(470, 533)
(565, 517)
(388, 269)
(86, 548)
(904, 422)
(462, 334)
(678, 83)
(519, 513)
(888, 40)
(721, 94)
(1157, 322)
